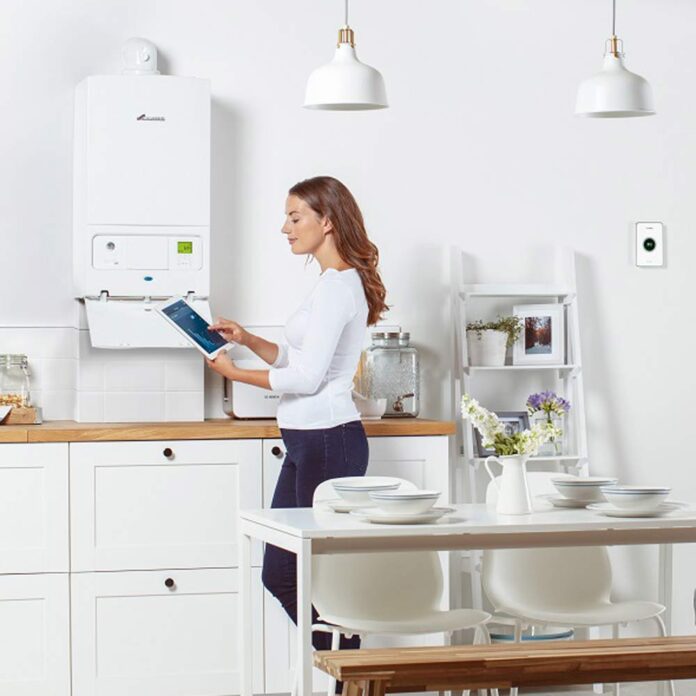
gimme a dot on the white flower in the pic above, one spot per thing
(488, 424)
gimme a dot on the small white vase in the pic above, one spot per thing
(487, 348)
(513, 491)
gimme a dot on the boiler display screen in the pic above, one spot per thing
(184, 247)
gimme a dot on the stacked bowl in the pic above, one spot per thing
(636, 499)
(404, 502)
(579, 491)
(356, 489)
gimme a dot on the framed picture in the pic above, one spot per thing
(542, 340)
(514, 422)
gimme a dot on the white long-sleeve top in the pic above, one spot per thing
(314, 370)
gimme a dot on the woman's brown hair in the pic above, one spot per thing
(328, 197)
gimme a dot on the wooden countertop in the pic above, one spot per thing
(218, 429)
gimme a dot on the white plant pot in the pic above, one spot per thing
(488, 350)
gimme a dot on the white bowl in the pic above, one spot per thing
(369, 408)
(404, 502)
(585, 489)
(355, 489)
(636, 497)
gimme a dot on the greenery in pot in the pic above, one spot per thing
(512, 326)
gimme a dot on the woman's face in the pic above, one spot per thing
(306, 231)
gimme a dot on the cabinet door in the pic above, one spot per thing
(133, 634)
(34, 508)
(35, 635)
(422, 460)
(146, 505)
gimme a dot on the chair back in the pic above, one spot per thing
(375, 586)
(521, 580)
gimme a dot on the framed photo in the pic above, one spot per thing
(542, 341)
(514, 422)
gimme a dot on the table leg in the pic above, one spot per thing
(304, 619)
(246, 626)
(664, 591)
(664, 594)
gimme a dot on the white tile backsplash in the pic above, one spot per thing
(49, 374)
(133, 376)
(134, 406)
(184, 406)
(184, 375)
(37, 342)
(56, 404)
(90, 407)
(72, 380)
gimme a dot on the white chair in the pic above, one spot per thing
(558, 586)
(384, 593)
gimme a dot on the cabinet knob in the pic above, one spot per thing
(169, 582)
(276, 451)
(168, 452)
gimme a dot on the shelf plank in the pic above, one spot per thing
(521, 368)
(545, 458)
(514, 290)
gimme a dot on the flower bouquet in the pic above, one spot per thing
(494, 436)
(548, 408)
(512, 450)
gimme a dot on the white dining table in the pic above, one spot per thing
(309, 531)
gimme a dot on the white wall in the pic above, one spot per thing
(480, 148)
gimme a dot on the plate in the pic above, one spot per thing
(561, 502)
(610, 511)
(340, 505)
(378, 516)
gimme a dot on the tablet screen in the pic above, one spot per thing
(195, 326)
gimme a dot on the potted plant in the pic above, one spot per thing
(548, 407)
(488, 341)
(512, 452)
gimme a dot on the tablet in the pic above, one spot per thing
(188, 322)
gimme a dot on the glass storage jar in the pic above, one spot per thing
(392, 372)
(14, 381)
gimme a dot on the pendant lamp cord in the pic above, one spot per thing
(346, 12)
(613, 17)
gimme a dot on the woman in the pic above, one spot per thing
(320, 425)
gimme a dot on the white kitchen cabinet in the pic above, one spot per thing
(160, 633)
(424, 460)
(34, 508)
(35, 634)
(148, 505)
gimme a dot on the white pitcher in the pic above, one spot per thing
(513, 491)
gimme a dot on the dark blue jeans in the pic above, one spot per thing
(312, 456)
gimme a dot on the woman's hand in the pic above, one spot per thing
(231, 331)
(223, 365)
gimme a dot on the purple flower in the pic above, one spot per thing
(549, 402)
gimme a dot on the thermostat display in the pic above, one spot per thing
(184, 247)
(649, 244)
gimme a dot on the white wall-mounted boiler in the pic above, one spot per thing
(141, 233)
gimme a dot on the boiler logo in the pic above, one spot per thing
(145, 117)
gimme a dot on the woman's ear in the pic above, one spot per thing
(327, 225)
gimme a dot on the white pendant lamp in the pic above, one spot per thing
(615, 92)
(345, 84)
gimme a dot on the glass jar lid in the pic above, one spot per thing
(14, 360)
(385, 335)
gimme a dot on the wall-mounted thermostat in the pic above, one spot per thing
(650, 249)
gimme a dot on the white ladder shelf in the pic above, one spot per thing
(566, 379)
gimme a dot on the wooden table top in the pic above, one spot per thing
(216, 429)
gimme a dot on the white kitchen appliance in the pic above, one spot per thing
(141, 234)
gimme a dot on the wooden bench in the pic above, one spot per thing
(374, 672)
